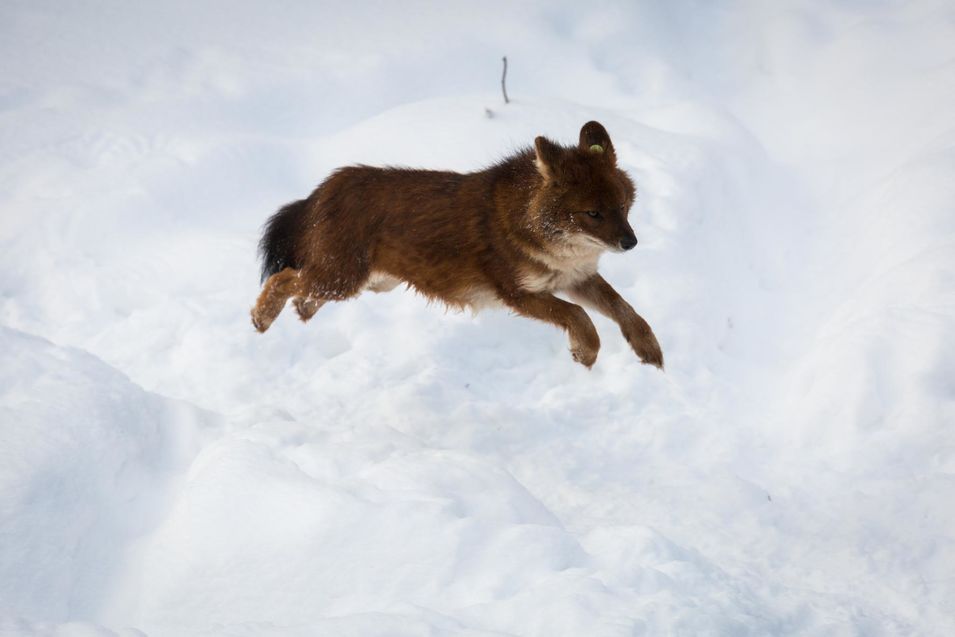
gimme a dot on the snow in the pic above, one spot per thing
(393, 468)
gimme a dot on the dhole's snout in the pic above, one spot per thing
(628, 242)
(627, 239)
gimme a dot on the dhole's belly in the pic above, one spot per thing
(474, 298)
(382, 282)
(478, 299)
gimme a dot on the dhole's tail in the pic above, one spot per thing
(279, 238)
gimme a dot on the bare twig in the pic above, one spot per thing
(504, 79)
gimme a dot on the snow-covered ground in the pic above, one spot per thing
(393, 469)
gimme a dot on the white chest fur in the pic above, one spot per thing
(557, 280)
(558, 272)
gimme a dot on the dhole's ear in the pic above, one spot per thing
(548, 157)
(594, 139)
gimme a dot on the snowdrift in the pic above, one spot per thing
(88, 463)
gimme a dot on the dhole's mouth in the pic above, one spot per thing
(623, 245)
(589, 241)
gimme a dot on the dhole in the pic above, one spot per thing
(512, 235)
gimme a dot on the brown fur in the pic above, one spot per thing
(512, 235)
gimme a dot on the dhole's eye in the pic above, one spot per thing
(594, 214)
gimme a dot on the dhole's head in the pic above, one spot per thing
(584, 198)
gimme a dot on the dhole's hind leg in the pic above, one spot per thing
(337, 277)
(306, 306)
(310, 288)
(276, 291)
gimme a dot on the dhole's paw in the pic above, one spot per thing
(586, 357)
(645, 344)
(306, 307)
(584, 347)
(259, 323)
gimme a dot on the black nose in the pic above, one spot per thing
(628, 242)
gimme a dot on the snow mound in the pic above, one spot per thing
(86, 461)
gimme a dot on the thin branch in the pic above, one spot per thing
(503, 80)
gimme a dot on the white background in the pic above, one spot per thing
(395, 469)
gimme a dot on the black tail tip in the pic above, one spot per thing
(280, 235)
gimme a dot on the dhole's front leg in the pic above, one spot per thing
(584, 342)
(595, 292)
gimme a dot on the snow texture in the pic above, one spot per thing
(393, 469)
